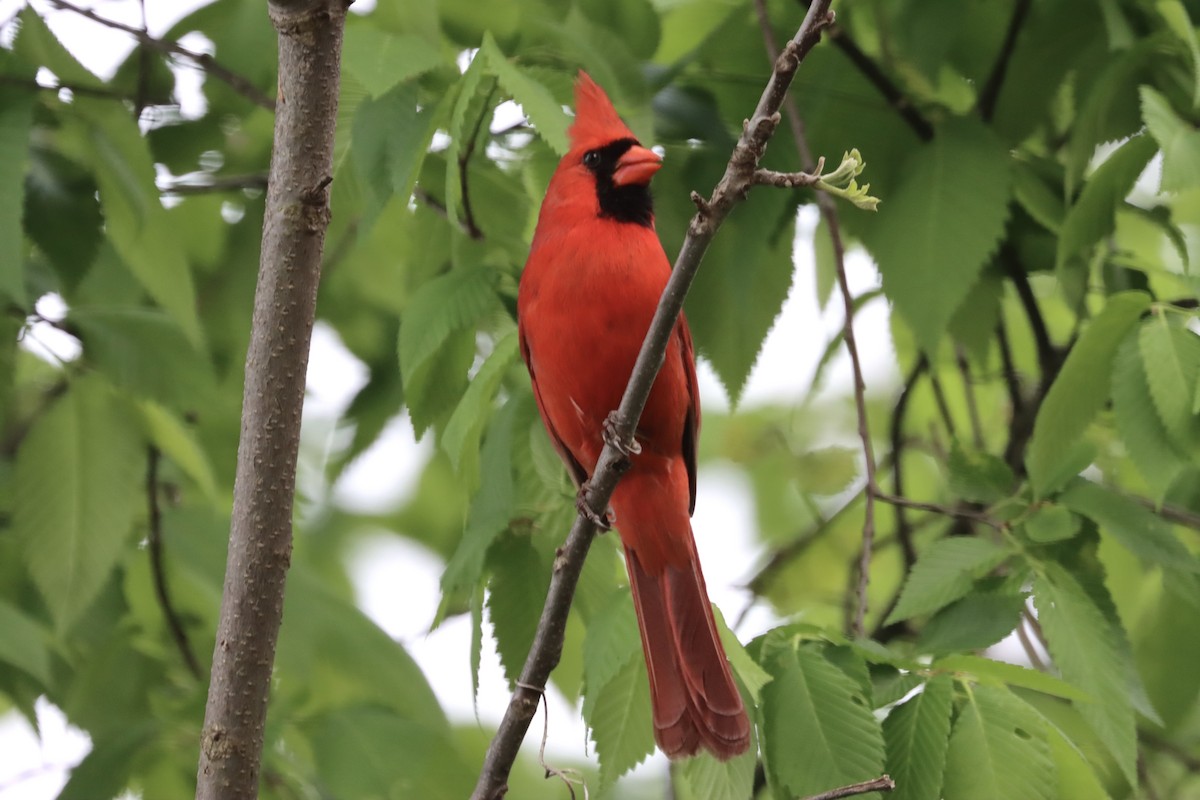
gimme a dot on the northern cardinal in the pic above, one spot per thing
(593, 279)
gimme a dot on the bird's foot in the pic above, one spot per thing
(584, 506)
(613, 437)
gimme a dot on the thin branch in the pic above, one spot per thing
(1027, 644)
(75, 88)
(216, 183)
(239, 83)
(880, 784)
(159, 571)
(896, 431)
(939, 396)
(1047, 353)
(964, 369)
(1175, 514)
(472, 229)
(957, 512)
(731, 189)
(990, 93)
(828, 210)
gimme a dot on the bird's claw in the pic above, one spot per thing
(613, 437)
(582, 504)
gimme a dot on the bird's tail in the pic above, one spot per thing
(695, 701)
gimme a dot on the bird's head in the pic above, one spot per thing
(605, 151)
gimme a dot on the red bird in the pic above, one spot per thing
(593, 279)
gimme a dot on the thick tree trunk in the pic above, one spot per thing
(260, 545)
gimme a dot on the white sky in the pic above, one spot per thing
(397, 580)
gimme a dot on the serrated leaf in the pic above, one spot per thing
(998, 750)
(16, 119)
(1038, 200)
(944, 572)
(23, 643)
(818, 731)
(621, 723)
(1176, 17)
(1142, 432)
(1093, 216)
(706, 778)
(1076, 778)
(976, 621)
(940, 224)
(379, 60)
(62, 214)
(541, 107)
(1178, 138)
(1051, 523)
(77, 487)
(1080, 390)
(460, 439)
(986, 670)
(1171, 359)
(1090, 650)
(892, 685)
(731, 309)
(978, 477)
(917, 734)
(376, 753)
(134, 219)
(447, 304)
(516, 594)
(1138, 529)
(37, 46)
(747, 670)
(389, 139)
(612, 641)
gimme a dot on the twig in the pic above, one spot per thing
(74, 88)
(896, 431)
(1047, 353)
(956, 512)
(1027, 644)
(216, 183)
(158, 568)
(237, 82)
(991, 89)
(295, 221)
(1175, 514)
(548, 639)
(964, 369)
(880, 784)
(468, 222)
(939, 397)
(829, 213)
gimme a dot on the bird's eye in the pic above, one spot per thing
(591, 159)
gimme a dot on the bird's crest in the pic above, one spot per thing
(596, 121)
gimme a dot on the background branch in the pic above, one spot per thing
(239, 83)
(260, 541)
(731, 189)
(158, 568)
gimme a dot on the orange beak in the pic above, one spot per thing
(636, 166)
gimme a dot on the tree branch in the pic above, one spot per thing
(239, 83)
(731, 189)
(158, 568)
(880, 784)
(990, 93)
(84, 91)
(903, 527)
(829, 213)
(260, 542)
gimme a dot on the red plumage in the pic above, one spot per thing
(594, 276)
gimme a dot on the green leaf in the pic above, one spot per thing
(375, 753)
(1076, 778)
(706, 778)
(143, 351)
(1178, 138)
(16, 119)
(516, 594)
(445, 305)
(543, 110)
(731, 309)
(1093, 216)
(621, 722)
(380, 60)
(976, 621)
(1090, 651)
(612, 641)
(1137, 528)
(106, 770)
(818, 731)
(1171, 358)
(78, 483)
(23, 643)
(1080, 390)
(1152, 450)
(1001, 673)
(62, 214)
(940, 224)
(747, 670)
(169, 434)
(945, 572)
(460, 439)
(977, 476)
(998, 750)
(134, 219)
(389, 139)
(37, 46)
(1051, 523)
(1175, 15)
(917, 733)
(827, 470)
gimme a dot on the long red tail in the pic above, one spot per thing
(695, 701)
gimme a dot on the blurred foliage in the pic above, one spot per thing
(1042, 279)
